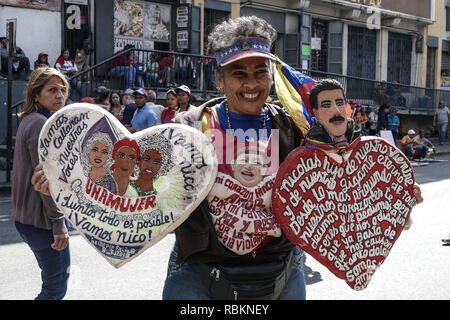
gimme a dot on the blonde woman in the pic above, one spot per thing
(37, 219)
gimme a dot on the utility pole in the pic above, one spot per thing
(11, 50)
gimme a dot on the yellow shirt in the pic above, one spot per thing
(406, 141)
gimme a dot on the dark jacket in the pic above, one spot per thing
(196, 237)
(319, 133)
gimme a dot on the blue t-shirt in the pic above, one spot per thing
(246, 127)
(144, 118)
(393, 120)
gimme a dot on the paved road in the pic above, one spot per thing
(417, 268)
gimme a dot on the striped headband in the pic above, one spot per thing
(244, 48)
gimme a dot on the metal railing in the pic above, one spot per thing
(372, 93)
(150, 69)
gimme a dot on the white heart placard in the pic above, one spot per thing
(124, 192)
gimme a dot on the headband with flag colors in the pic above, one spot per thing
(292, 88)
(244, 48)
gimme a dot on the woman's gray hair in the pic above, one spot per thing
(96, 137)
(225, 34)
(159, 143)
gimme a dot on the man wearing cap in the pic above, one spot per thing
(411, 148)
(143, 117)
(184, 98)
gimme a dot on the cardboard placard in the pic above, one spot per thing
(346, 215)
(124, 192)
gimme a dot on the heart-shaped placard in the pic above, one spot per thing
(346, 214)
(124, 192)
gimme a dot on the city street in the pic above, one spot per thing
(416, 269)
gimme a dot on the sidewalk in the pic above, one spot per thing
(440, 150)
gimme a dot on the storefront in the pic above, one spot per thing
(155, 25)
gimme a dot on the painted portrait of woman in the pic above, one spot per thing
(97, 159)
(126, 155)
(156, 161)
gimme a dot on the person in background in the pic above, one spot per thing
(130, 107)
(441, 121)
(353, 107)
(157, 109)
(171, 107)
(422, 141)
(37, 219)
(42, 61)
(83, 47)
(102, 97)
(208, 71)
(123, 66)
(411, 148)
(143, 117)
(4, 55)
(184, 98)
(116, 107)
(128, 97)
(152, 70)
(382, 117)
(87, 100)
(140, 69)
(393, 123)
(68, 67)
(20, 61)
(360, 117)
(373, 121)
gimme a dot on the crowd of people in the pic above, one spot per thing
(385, 93)
(137, 109)
(375, 119)
(158, 70)
(385, 118)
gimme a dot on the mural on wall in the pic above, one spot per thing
(52, 5)
(140, 24)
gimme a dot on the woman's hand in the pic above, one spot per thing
(61, 241)
(39, 180)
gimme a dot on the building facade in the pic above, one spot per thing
(371, 39)
(393, 40)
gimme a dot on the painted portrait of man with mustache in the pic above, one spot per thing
(329, 106)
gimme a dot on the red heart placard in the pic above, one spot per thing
(348, 214)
